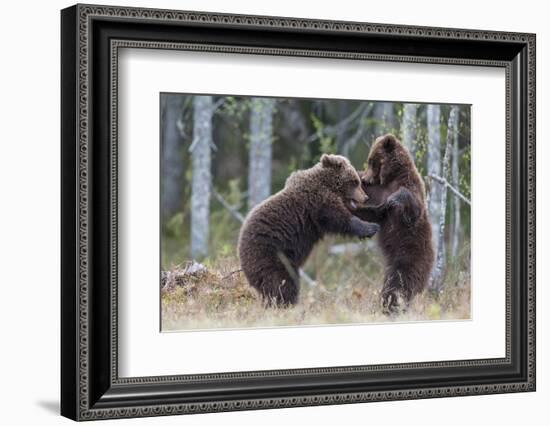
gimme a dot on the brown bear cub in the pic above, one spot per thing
(279, 233)
(397, 202)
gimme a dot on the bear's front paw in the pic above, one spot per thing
(363, 229)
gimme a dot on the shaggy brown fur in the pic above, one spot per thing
(279, 233)
(397, 203)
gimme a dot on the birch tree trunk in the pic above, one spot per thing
(433, 113)
(439, 269)
(172, 161)
(201, 181)
(341, 139)
(408, 126)
(259, 164)
(379, 120)
(388, 117)
(456, 200)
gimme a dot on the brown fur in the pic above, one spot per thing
(279, 233)
(397, 203)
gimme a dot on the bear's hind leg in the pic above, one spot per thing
(396, 293)
(280, 287)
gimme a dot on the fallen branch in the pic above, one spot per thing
(231, 274)
(218, 104)
(231, 209)
(310, 281)
(351, 248)
(452, 188)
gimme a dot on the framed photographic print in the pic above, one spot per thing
(263, 212)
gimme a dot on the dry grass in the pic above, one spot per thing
(347, 291)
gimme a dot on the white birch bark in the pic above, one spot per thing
(456, 200)
(259, 164)
(408, 126)
(201, 181)
(379, 120)
(384, 118)
(439, 269)
(433, 113)
(388, 116)
(341, 139)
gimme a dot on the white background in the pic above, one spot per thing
(141, 344)
(29, 225)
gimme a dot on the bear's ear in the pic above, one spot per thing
(328, 160)
(389, 143)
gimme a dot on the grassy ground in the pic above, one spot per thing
(347, 291)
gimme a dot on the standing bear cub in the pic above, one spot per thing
(397, 202)
(279, 233)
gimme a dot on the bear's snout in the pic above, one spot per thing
(358, 196)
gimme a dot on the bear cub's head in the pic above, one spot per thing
(341, 178)
(387, 159)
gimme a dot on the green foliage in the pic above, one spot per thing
(420, 144)
(433, 311)
(224, 229)
(327, 144)
(292, 165)
(463, 179)
(174, 226)
(305, 157)
(235, 193)
(234, 107)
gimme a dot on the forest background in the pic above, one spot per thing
(221, 155)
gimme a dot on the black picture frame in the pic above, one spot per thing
(90, 386)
